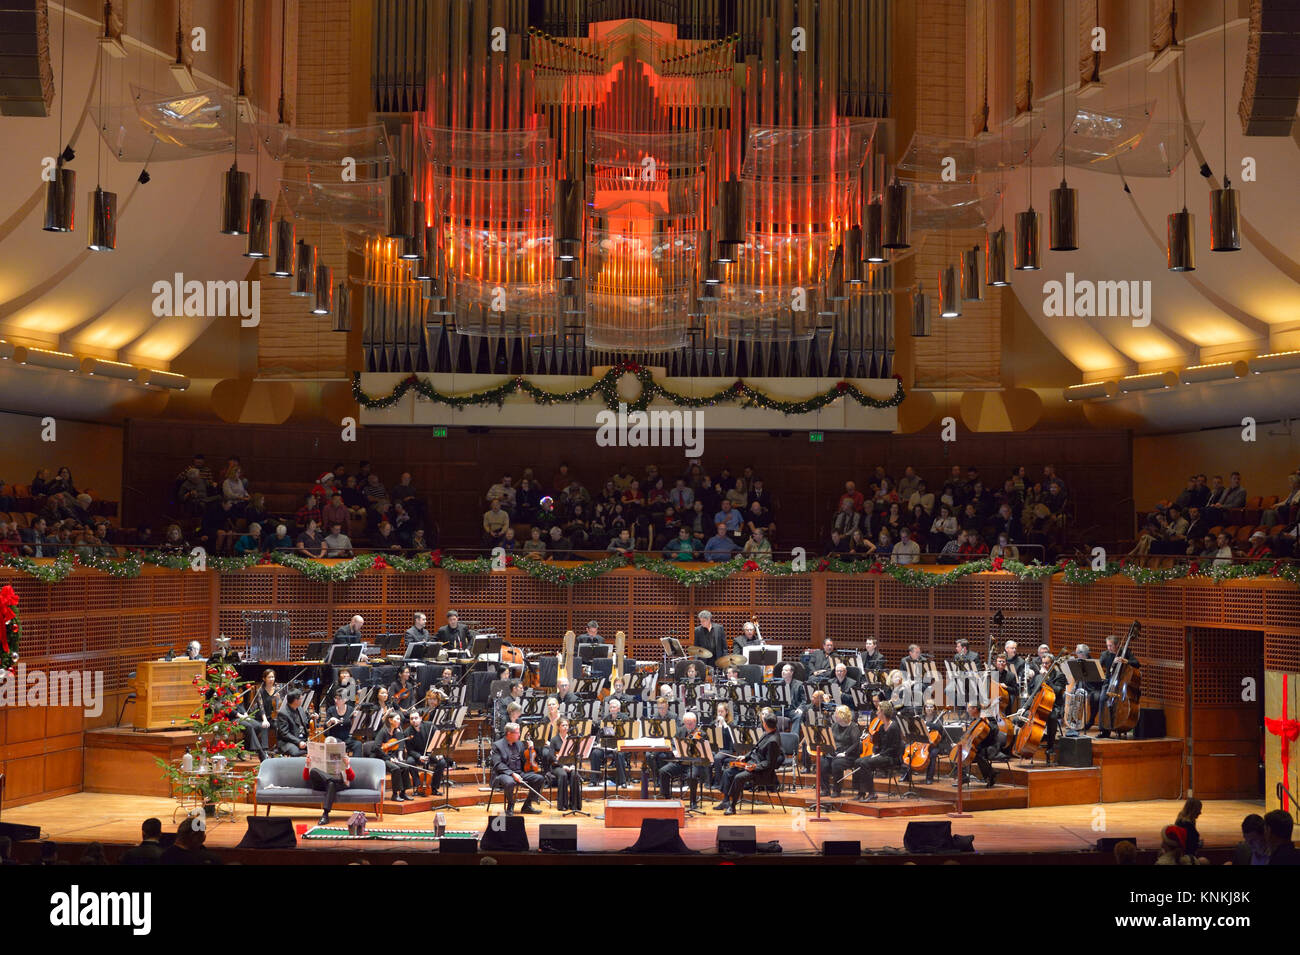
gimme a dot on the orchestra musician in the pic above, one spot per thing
(748, 636)
(453, 633)
(337, 718)
(887, 753)
(514, 696)
(262, 709)
(671, 769)
(964, 654)
(933, 720)
(567, 779)
(912, 661)
(592, 635)
(988, 750)
(392, 735)
(616, 691)
(346, 684)
(401, 692)
(798, 691)
(447, 682)
(848, 743)
(417, 745)
(823, 660)
(607, 747)
(291, 727)
(417, 632)
(760, 766)
(330, 785)
(710, 636)
(1057, 682)
(872, 658)
(1002, 673)
(725, 721)
(507, 757)
(1094, 687)
(350, 632)
(841, 687)
(1108, 658)
(565, 695)
(1015, 662)
(433, 698)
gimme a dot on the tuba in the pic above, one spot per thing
(1076, 709)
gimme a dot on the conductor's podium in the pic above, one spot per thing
(630, 813)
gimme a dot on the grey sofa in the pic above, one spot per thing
(280, 783)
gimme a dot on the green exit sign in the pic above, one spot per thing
(816, 437)
(439, 431)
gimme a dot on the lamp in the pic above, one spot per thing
(731, 220)
(61, 199)
(282, 267)
(234, 201)
(1152, 381)
(995, 259)
(972, 289)
(1225, 213)
(568, 219)
(44, 358)
(103, 221)
(920, 313)
(397, 223)
(164, 379)
(1215, 371)
(1094, 389)
(873, 232)
(304, 269)
(1180, 241)
(1064, 218)
(1275, 361)
(897, 211)
(949, 297)
(259, 228)
(1029, 227)
(413, 244)
(324, 290)
(103, 368)
(342, 308)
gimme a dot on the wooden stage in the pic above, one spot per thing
(115, 819)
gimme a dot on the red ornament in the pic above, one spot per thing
(841, 386)
(510, 560)
(436, 557)
(822, 565)
(997, 563)
(1195, 569)
(749, 565)
(380, 563)
(877, 567)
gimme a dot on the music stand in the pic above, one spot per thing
(447, 741)
(316, 650)
(693, 752)
(485, 646)
(818, 738)
(343, 654)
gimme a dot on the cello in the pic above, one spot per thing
(1122, 699)
(1031, 734)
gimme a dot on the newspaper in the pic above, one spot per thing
(327, 757)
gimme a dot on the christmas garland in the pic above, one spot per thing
(559, 575)
(606, 387)
(11, 629)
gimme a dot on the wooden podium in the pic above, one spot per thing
(165, 696)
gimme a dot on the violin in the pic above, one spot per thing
(391, 745)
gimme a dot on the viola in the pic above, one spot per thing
(391, 745)
(531, 764)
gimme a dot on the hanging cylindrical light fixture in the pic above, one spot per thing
(342, 308)
(413, 245)
(920, 313)
(730, 232)
(282, 266)
(234, 202)
(896, 230)
(1180, 237)
(568, 219)
(853, 266)
(304, 270)
(1029, 227)
(398, 220)
(873, 221)
(61, 200)
(103, 221)
(259, 228)
(324, 290)
(1064, 218)
(949, 293)
(1225, 216)
(972, 289)
(424, 267)
(995, 259)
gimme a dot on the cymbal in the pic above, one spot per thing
(700, 653)
(735, 660)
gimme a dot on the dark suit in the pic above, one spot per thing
(767, 758)
(845, 689)
(344, 634)
(887, 753)
(607, 747)
(568, 781)
(146, 853)
(873, 661)
(417, 742)
(970, 656)
(291, 732)
(507, 760)
(1057, 683)
(457, 637)
(399, 776)
(713, 640)
(848, 744)
(822, 662)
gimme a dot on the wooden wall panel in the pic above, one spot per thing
(456, 472)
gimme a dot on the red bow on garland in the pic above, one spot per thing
(8, 600)
(1288, 732)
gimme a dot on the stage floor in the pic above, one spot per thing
(109, 818)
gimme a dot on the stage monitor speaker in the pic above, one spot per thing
(841, 847)
(659, 835)
(266, 833)
(742, 840)
(1108, 843)
(504, 834)
(19, 833)
(928, 837)
(1150, 724)
(554, 837)
(1074, 751)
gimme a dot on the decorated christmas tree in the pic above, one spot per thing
(220, 737)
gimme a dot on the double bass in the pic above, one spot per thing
(1121, 702)
(1031, 734)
